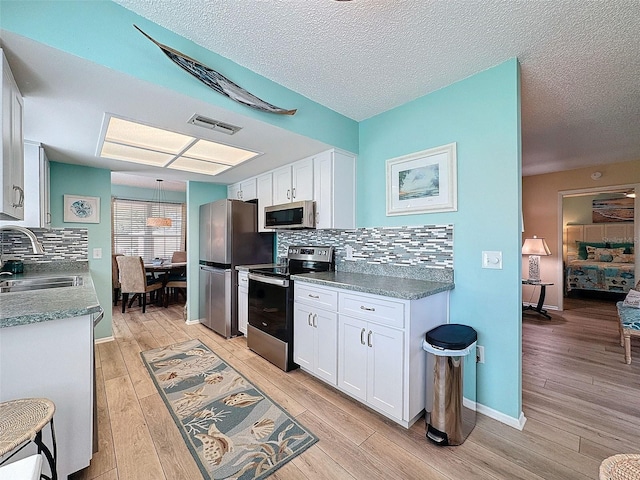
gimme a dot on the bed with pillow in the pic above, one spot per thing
(604, 267)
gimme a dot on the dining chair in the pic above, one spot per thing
(177, 286)
(179, 257)
(134, 280)
(177, 280)
(115, 278)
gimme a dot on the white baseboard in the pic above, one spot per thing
(490, 412)
(104, 340)
(193, 322)
(517, 423)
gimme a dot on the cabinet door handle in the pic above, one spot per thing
(288, 194)
(315, 320)
(48, 218)
(368, 309)
(20, 198)
(309, 320)
(294, 192)
(369, 338)
(314, 296)
(362, 337)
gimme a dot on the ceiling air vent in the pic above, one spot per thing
(212, 124)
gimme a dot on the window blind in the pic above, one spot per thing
(131, 236)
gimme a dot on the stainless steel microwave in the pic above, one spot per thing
(291, 215)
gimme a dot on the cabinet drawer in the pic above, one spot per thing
(374, 309)
(317, 296)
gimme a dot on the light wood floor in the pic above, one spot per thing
(581, 401)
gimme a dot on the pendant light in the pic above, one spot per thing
(157, 218)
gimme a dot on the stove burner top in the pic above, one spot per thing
(282, 271)
(302, 260)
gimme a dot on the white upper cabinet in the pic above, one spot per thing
(328, 178)
(334, 189)
(245, 190)
(11, 148)
(37, 212)
(294, 182)
(264, 186)
(233, 191)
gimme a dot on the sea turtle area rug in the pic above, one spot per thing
(232, 429)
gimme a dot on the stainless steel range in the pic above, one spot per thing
(270, 329)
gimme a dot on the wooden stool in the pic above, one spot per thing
(620, 467)
(21, 422)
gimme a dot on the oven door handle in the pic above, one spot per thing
(280, 282)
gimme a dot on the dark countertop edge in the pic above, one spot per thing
(420, 288)
(33, 318)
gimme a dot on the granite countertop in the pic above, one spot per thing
(23, 308)
(404, 288)
(246, 268)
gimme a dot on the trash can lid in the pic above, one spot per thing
(451, 336)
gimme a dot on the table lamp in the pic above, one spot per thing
(535, 247)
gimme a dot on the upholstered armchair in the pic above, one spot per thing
(134, 280)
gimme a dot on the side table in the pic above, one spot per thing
(543, 290)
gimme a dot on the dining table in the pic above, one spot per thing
(165, 269)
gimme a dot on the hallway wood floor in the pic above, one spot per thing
(581, 401)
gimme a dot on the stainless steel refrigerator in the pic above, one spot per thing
(228, 237)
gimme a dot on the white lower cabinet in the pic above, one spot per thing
(243, 302)
(375, 342)
(371, 361)
(315, 333)
(54, 359)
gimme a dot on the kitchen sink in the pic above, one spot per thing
(39, 283)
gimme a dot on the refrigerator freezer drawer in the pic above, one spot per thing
(217, 298)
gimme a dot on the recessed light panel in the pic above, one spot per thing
(128, 153)
(198, 166)
(217, 152)
(152, 138)
(138, 143)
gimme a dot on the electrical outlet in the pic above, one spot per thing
(479, 354)
(349, 252)
(97, 253)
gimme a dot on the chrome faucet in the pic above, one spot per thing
(35, 244)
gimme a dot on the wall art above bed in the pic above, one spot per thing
(613, 210)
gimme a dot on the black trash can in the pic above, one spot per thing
(451, 383)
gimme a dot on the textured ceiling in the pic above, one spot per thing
(580, 59)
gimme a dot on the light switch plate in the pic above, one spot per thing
(492, 260)
(97, 253)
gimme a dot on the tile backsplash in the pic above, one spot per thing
(427, 246)
(60, 244)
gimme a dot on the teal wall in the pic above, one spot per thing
(198, 193)
(102, 32)
(136, 193)
(482, 115)
(95, 182)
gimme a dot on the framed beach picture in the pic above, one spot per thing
(81, 209)
(423, 182)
